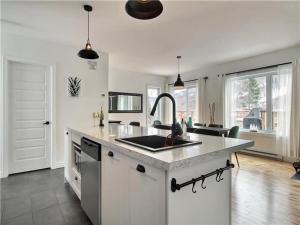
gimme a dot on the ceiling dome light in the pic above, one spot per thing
(144, 9)
(179, 84)
(88, 52)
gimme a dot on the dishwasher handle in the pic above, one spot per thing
(91, 148)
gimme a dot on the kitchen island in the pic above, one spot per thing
(185, 185)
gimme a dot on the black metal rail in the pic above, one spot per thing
(176, 187)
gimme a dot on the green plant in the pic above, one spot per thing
(74, 86)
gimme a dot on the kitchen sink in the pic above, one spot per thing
(156, 143)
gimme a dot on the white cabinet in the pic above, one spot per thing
(146, 195)
(72, 164)
(130, 196)
(114, 188)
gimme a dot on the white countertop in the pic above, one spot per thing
(170, 159)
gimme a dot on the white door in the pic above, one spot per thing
(29, 110)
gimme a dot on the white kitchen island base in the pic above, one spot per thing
(132, 197)
(136, 184)
(209, 205)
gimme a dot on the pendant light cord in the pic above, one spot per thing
(88, 26)
(178, 58)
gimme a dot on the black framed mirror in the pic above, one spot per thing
(122, 102)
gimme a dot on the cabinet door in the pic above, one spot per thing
(68, 153)
(114, 188)
(146, 195)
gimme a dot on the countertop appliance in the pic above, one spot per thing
(91, 180)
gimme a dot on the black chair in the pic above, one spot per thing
(234, 133)
(115, 121)
(216, 125)
(156, 122)
(137, 124)
(200, 124)
(206, 132)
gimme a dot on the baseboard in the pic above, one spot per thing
(291, 159)
(262, 153)
(59, 165)
(3, 175)
(270, 155)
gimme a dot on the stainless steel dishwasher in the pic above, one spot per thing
(91, 180)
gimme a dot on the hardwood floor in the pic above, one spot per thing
(264, 193)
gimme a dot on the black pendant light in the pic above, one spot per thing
(88, 52)
(178, 83)
(144, 9)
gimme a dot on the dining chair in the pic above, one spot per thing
(216, 125)
(200, 124)
(115, 121)
(156, 122)
(137, 124)
(234, 133)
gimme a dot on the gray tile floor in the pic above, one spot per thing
(40, 198)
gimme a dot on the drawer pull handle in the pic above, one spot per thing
(76, 178)
(110, 154)
(140, 168)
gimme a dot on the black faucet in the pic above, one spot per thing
(176, 128)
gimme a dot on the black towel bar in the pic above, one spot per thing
(175, 186)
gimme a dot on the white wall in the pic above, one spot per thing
(133, 82)
(69, 111)
(214, 92)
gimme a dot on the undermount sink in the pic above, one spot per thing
(156, 143)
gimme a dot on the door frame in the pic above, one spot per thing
(4, 154)
(147, 101)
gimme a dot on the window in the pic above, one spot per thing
(252, 99)
(186, 102)
(152, 94)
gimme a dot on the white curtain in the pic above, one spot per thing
(202, 100)
(292, 149)
(282, 94)
(229, 101)
(220, 100)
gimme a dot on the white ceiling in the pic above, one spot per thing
(203, 33)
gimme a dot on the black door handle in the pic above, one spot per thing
(140, 168)
(46, 123)
(110, 154)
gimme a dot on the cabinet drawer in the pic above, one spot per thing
(75, 181)
(144, 169)
(112, 155)
(76, 138)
